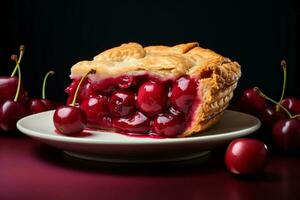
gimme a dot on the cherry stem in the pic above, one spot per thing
(283, 65)
(273, 101)
(19, 80)
(296, 116)
(22, 49)
(44, 84)
(92, 71)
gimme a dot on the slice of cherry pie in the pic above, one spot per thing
(170, 91)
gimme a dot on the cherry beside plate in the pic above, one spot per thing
(115, 147)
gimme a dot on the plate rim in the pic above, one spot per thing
(199, 138)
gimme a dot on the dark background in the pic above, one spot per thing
(57, 34)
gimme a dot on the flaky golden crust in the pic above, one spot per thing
(217, 75)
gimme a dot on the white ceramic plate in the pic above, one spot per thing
(114, 147)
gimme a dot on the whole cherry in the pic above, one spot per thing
(251, 102)
(95, 107)
(122, 103)
(286, 134)
(71, 120)
(246, 156)
(168, 125)
(9, 84)
(43, 104)
(86, 89)
(292, 104)
(12, 110)
(183, 93)
(151, 98)
(269, 116)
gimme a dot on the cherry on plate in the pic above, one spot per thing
(151, 98)
(136, 123)
(69, 120)
(95, 106)
(168, 125)
(183, 93)
(122, 103)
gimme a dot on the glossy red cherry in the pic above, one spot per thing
(183, 93)
(151, 98)
(122, 103)
(9, 84)
(251, 102)
(246, 156)
(8, 87)
(269, 116)
(286, 134)
(95, 106)
(43, 104)
(85, 90)
(36, 106)
(48, 104)
(69, 120)
(168, 125)
(136, 123)
(292, 104)
(10, 113)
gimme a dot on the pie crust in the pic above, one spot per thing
(217, 75)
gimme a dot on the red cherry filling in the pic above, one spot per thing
(85, 91)
(127, 81)
(104, 86)
(152, 98)
(136, 123)
(95, 106)
(122, 103)
(104, 122)
(168, 125)
(138, 104)
(183, 93)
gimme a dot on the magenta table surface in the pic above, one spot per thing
(32, 170)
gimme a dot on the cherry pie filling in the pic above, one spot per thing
(142, 104)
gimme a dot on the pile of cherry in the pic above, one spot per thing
(280, 128)
(15, 102)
